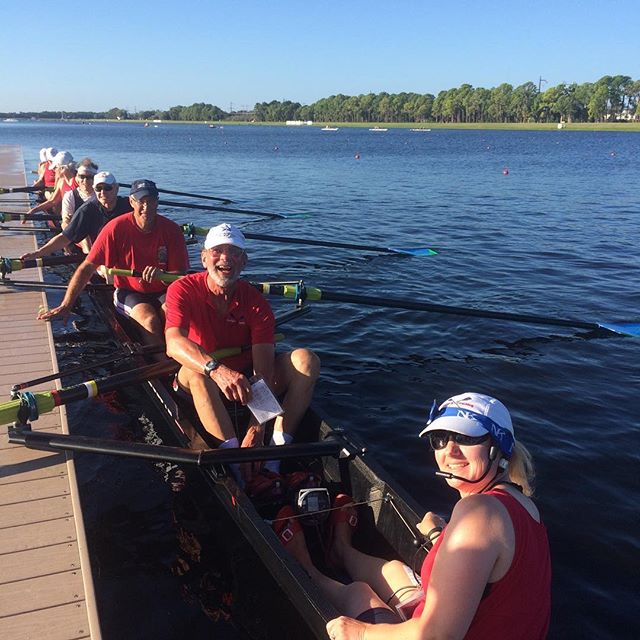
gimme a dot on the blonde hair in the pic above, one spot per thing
(521, 469)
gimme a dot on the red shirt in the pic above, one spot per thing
(518, 606)
(49, 176)
(121, 244)
(248, 320)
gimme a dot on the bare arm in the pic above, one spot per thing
(78, 282)
(56, 197)
(233, 384)
(56, 243)
(263, 356)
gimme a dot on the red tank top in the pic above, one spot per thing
(49, 176)
(68, 186)
(518, 606)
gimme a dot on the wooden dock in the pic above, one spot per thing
(46, 586)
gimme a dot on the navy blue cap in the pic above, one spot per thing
(142, 188)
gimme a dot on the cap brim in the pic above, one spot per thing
(457, 424)
(144, 193)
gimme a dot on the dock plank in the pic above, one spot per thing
(33, 536)
(33, 563)
(65, 622)
(38, 489)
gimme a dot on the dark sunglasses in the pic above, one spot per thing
(439, 439)
(83, 177)
(104, 187)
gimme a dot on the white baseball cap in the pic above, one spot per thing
(51, 153)
(104, 177)
(225, 234)
(474, 414)
(61, 159)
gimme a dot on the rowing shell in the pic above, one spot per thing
(387, 516)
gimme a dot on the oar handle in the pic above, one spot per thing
(134, 273)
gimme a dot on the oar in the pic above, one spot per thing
(191, 230)
(20, 189)
(6, 216)
(9, 265)
(183, 193)
(36, 284)
(133, 273)
(29, 406)
(203, 207)
(334, 446)
(311, 293)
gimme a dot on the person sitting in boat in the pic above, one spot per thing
(89, 219)
(46, 173)
(488, 572)
(214, 309)
(74, 199)
(144, 241)
(65, 169)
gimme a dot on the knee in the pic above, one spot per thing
(306, 362)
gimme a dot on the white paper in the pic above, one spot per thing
(263, 404)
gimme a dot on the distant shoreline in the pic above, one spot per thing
(495, 126)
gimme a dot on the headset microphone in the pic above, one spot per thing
(493, 452)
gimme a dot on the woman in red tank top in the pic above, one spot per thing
(489, 571)
(65, 169)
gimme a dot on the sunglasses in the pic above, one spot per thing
(84, 177)
(440, 439)
(104, 187)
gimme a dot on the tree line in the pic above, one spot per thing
(609, 98)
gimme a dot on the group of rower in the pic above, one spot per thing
(488, 571)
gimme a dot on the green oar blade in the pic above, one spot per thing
(416, 251)
(131, 273)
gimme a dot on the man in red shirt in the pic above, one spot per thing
(141, 240)
(215, 309)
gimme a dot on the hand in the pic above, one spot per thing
(344, 628)
(233, 384)
(29, 256)
(429, 521)
(149, 274)
(63, 311)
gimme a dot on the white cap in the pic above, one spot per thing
(225, 234)
(51, 153)
(104, 177)
(467, 413)
(61, 159)
(43, 154)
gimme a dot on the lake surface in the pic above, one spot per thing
(541, 223)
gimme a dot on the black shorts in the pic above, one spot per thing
(380, 615)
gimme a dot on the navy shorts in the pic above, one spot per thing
(125, 300)
(379, 615)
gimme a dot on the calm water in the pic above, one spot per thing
(556, 237)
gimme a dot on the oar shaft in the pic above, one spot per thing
(20, 189)
(290, 291)
(133, 273)
(179, 455)
(184, 193)
(203, 207)
(201, 231)
(35, 217)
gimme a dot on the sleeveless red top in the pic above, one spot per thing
(49, 176)
(518, 606)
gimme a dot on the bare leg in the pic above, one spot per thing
(295, 377)
(208, 403)
(389, 579)
(151, 323)
(349, 599)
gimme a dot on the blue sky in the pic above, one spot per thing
(143, 55)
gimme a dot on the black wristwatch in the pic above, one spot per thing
(210, 366)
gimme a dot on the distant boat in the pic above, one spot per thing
(10, 120)
(378, 129)
(146, 124)
(212, 126)
(329, 128)
(419, 129)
